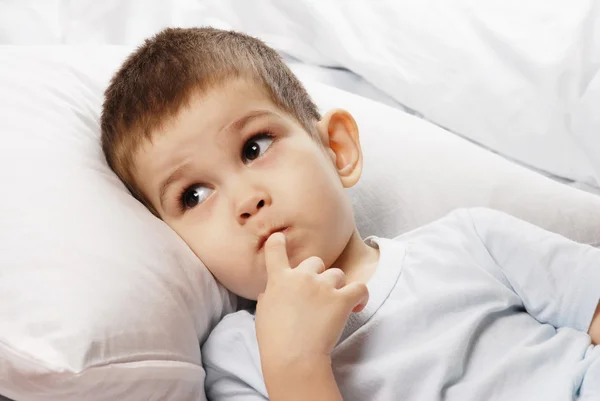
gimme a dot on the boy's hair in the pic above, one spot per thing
(159, 78)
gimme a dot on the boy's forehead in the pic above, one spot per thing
(211, 112)
(219, 108)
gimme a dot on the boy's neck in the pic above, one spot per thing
(358, 260)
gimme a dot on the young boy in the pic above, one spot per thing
(215, 135)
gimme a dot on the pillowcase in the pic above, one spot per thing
(99, 300)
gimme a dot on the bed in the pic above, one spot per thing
(116, 304)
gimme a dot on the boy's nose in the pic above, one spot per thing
(251, 206)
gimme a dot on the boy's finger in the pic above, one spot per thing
(335, 277)
(314, 264)
(275, 253)
(356, 295)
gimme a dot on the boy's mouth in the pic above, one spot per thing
(263, 238)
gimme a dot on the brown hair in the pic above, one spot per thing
(158, 79)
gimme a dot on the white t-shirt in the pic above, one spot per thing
(476, 306)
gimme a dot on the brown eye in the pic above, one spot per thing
(256, 146)
(194, 195)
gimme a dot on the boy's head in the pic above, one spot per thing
(216, 136)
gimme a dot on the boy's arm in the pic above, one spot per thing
(299, 319)
(233, 368)
(301, 381)
(283, 352)
(558, 280)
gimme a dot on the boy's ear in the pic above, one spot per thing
(339, 134)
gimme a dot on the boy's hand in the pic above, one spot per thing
(300, 317)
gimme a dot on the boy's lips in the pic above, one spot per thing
(263, 238)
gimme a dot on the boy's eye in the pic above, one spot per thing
(256, 146)
(194, 195)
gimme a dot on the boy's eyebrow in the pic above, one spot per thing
(179, 171)
(240, 123)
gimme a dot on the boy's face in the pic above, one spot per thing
(232, 168)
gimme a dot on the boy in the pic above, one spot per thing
(212, 132)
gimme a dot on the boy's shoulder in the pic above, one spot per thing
(478, 213)
(487, 226)
(485, 220)
(464, 230)
(475, 219)
(461, 219)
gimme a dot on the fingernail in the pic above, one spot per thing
(277, 237)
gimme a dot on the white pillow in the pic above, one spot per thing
(101, 301)
(415, 172)
(98, 300)
(585, 121)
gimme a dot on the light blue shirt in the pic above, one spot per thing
(475, 306)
